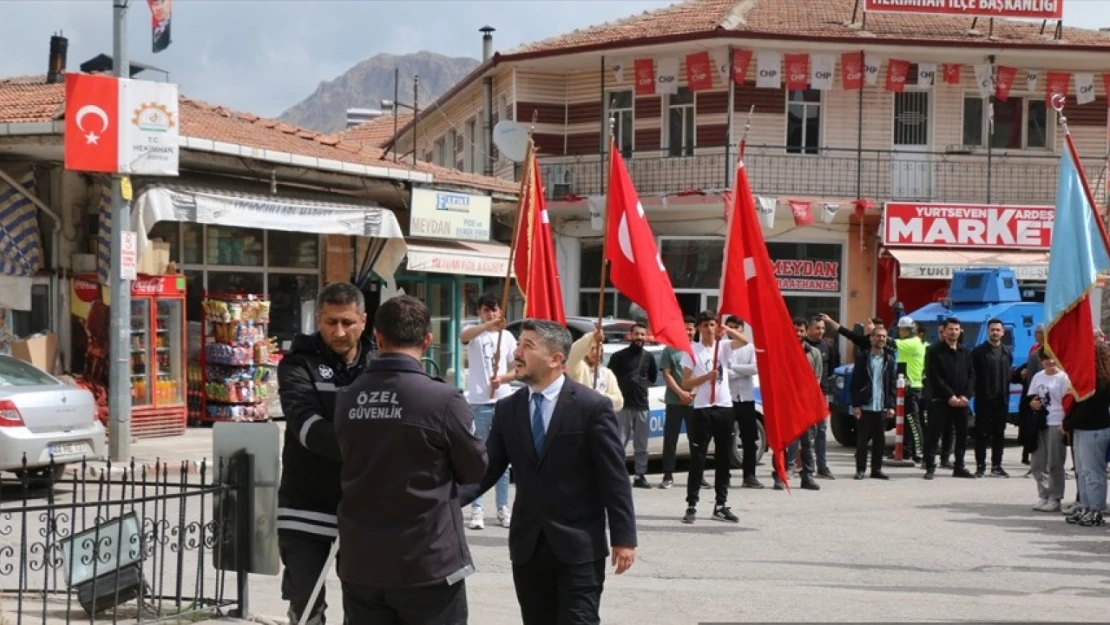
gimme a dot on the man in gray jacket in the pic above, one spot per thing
(741, 385)
(805, 441)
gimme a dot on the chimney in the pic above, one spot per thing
(487, 42)
(56, 68)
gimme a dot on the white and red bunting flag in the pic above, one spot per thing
(1056, 83)
(767, 207)
(1004, 78)
(803, 216)
(951, 73)
(828, 212)
(851, 71)
(797, 72)
(699, 71)
(645, 76)
(666, 76)
(897, 71)
(1084, 88)
(769, 70)
(926, 74)
(740, 62)
(822, 67)
(1106, 87)
(617, 67)
(872, 65)
(1031, 77)
(984, 80)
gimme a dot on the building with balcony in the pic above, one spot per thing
(919, 144)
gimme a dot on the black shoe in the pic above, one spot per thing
(705, 485)
(690, 516)
(946, 464)
(999, 472)
(860, 475)
(779, 484)
(917, 459)
(825, 474)
(962, 472)
(641, 482)
(722, 513)
(879, 475)
(930, 474)
(808, 483)
(752, 482)
(980, 472)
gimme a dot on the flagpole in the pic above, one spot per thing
(605, 237)
(724, 265)
(525, 190)
(1058, 104)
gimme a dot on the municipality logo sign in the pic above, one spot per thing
(452, 202)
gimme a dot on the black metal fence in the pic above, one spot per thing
(1000, 178)
(145, 543)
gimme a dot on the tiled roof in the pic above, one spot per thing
(31, 99)
(376, 132)
(817, 19)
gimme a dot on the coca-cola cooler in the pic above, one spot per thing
(156, 345)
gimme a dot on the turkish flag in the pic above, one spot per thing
(741, 60)
(699, 71)
(896, 73)
(951, 74)
(851, 71)
(537, 271)
(635, 268)
(1004, 81)
(797, 71)
(803, 216)
(792, 398)
(92, 123)
(645, 76)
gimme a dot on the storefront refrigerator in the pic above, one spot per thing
(156, 349)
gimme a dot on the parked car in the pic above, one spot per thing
(616, 330)
(41, 416)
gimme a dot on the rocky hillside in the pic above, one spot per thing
(365, 85)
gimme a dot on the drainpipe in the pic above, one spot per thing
(487, 100)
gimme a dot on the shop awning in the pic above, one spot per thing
(284, 212)
(20, 247)
(940, 264)
(465, 258)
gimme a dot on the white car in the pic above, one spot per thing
(41, 416)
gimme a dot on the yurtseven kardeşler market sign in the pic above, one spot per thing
(1029, 9)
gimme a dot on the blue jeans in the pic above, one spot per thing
(1090, 464)
(483, 419)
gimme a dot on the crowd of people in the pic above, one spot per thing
(366, 424)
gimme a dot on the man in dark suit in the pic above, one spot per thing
(568, 462)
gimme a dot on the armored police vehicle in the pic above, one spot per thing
(975, 297)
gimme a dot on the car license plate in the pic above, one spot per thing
(70, 449)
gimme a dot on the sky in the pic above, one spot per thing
(264, 56)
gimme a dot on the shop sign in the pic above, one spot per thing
(1028, 9)
(453, 216)
(967, 225)
(458, 264)
(1037, 273)
(808, 275)
(86, 288)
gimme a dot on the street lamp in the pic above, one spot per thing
(104, 563)
(394, 104)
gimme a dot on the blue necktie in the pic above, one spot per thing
(537, 422)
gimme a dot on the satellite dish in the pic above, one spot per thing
(511, 138)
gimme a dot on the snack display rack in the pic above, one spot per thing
(237, 360)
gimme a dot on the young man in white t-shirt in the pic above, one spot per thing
(486, 385)
(1047, 389)
(713, 413)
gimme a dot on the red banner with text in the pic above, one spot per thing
(1028, 9)
(975, 226)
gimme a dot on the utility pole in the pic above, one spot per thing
(119, 345)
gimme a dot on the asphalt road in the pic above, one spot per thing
(906, 550)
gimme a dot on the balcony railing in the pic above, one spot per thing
(1002, 178)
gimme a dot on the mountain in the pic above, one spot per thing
(365, 85)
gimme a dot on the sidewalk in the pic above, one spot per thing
(177, 454)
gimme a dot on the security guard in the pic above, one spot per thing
(407, 441)
(308, 377)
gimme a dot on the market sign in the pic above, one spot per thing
(453, 216)
(967, 225)
(1029, 9)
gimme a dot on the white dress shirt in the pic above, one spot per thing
(742, 370)
(550, 396)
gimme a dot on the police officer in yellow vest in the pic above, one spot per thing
(911, 359)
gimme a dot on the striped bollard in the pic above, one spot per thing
(899, 459)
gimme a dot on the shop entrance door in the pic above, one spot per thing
(911, 167)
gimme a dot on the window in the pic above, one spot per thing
(294, 250)
(693, 263)
(451, 150)
(470, 150)
(681, 135)
(439, 156)
(803, 122)
(1019, 122)
(232, 245)
(589, 281)
(620, 107)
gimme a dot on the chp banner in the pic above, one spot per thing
(119, 125)
(977, 226)
(1028, 9)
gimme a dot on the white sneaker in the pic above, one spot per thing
(1069, 507)
(1039, 506)
(1050, 505)
(477, 519)
(503, 515)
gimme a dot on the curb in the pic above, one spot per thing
(175, 468)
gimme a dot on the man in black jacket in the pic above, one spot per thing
(993, 363)
(636, 371)
(830, 360)
(950, 384)
(317, 366)
(407, 440)
(873, 402)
